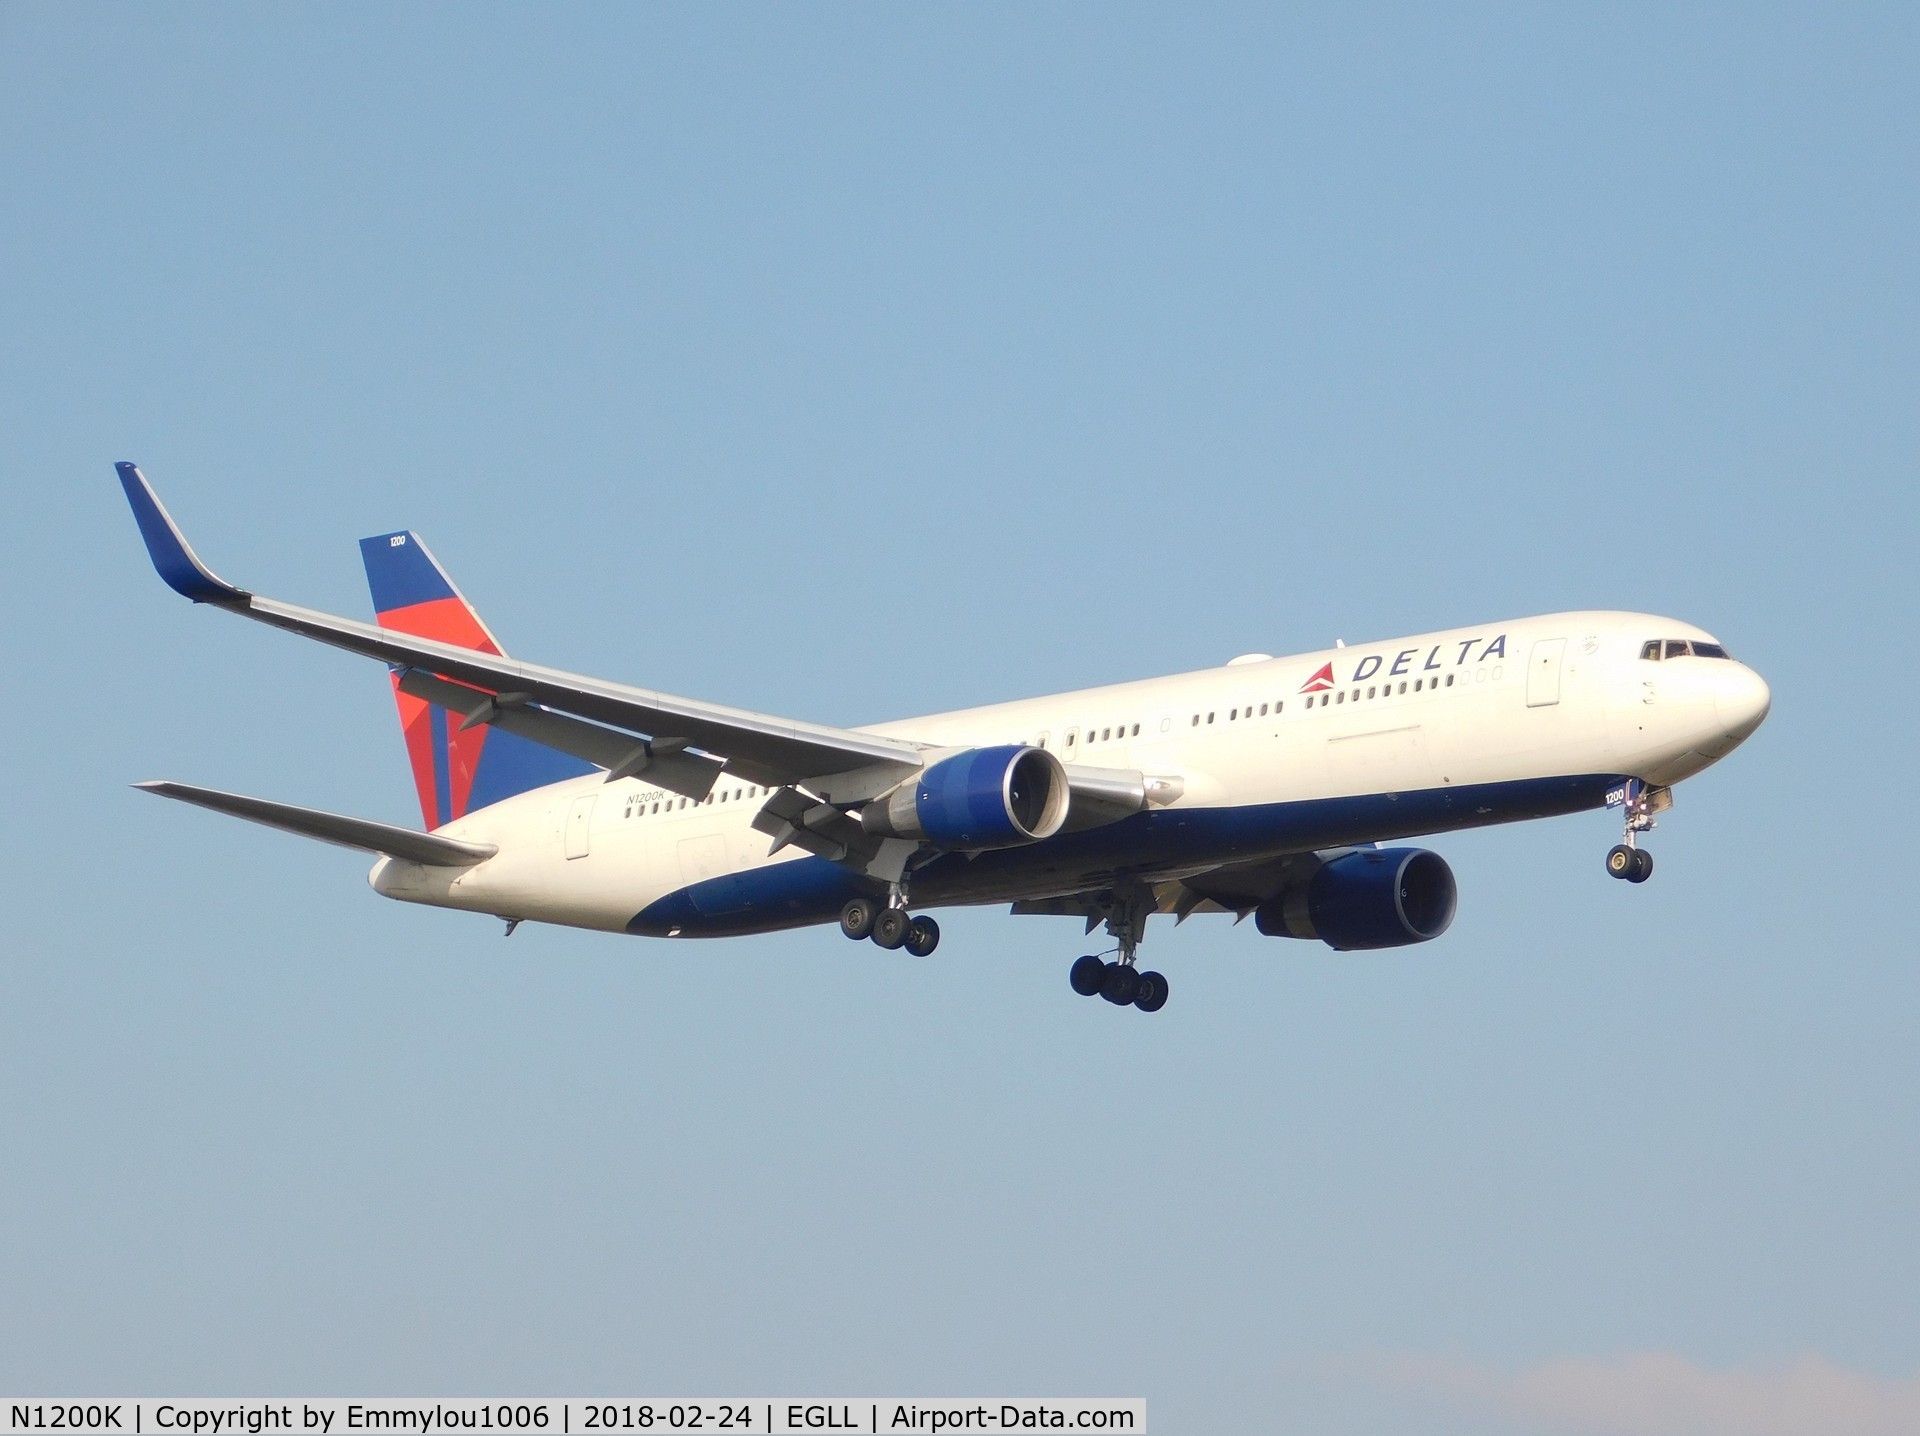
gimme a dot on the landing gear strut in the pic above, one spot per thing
(1628, 859)
(1121, 982)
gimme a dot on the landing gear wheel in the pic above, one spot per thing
(1151, 993)
(923, 936)
(1119, 983)
(856, 918)
(1642, 866)
(1086, 975)
(1623, 861)
(890, 928)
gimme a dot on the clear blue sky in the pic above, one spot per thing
(859, 361)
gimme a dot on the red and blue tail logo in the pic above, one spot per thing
(1321, 680)
(455, 772)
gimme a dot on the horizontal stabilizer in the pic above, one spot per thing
(362, 833)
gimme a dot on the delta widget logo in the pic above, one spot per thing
(1403, 662)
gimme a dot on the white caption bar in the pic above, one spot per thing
(508, 1416)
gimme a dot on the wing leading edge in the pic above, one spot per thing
(759, 747)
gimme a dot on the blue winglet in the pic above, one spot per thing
(175, 561)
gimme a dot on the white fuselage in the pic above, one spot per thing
(1451, 729)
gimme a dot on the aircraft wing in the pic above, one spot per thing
(759, 747)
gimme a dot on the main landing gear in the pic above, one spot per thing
(890, 927)
(1628, 860)
(1121, 982)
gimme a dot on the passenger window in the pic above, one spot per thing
(1449, 680)
(1677, 648)
(1196, 720)
(1209, 717)
(1340, 697)
(1105, 733)
(1278, 706)
(1232, 713)
(1369, 693)
(1136, 730)
(1650, 651)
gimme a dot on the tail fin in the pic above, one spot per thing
(456, 771)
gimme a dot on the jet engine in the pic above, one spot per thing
(1374, 897)
(983, 798)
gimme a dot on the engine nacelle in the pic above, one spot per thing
(1385, 897)
(983, 798)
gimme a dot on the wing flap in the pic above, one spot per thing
(362, 833)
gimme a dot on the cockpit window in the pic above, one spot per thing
(1681, 648)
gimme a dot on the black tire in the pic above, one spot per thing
(923, 936)
(1151, 995)
(1621, 862)
(890, 928)
(1086, 975)
(856, 918)
(1642, 866)
(1119, 983)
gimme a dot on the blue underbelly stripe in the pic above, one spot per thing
(813, 890)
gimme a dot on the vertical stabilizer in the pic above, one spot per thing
(454, 771)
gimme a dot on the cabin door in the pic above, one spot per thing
(579, 825)
(1543, 672)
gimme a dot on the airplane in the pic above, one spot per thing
(1263, 788)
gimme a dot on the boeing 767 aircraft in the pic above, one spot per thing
(1262, 788)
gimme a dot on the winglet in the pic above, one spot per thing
(172, 557)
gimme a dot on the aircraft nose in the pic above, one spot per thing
(1741, 699)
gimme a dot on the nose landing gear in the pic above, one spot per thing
(1628, 859)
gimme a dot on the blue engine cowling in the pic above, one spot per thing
(983, 798)
(1384, 897)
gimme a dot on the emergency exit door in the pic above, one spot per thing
(1543, 672)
